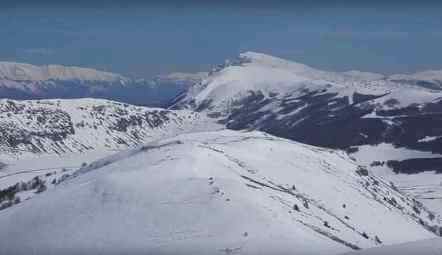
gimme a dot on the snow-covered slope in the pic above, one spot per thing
(25, 169)
(204, 193)
(424, 247)
(349, 110)
(30, 128)
(404, 166)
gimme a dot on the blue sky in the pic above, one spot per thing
(149, 39)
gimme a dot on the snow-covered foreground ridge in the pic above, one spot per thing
(424, 247)
(30, 128)
(206, 193)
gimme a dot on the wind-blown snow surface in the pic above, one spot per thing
(215, 193)
(424, 247)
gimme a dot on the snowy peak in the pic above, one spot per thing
(271, 61)
(278, 79)
(204, 193)
(254, 58)
(27, 72)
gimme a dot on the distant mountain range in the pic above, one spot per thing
(25, 81)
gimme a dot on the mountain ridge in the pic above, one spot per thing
(204, 189)
(79, 125)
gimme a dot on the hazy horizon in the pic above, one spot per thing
(152, 38)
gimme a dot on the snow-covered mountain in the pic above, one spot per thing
(25, 81)
(36, 127)
(205, 193)
(273, 77)
(393, 118)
